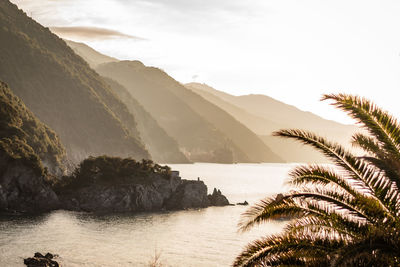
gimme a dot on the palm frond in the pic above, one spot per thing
(274, 250)
(295, 204)
(359, 171)
(269, 209)
(377, 122)
(322, 175)
(379, 158)
(367, 143)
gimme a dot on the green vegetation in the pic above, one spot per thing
(14, 150)
(23, 136)
(342, 216)
(63, 91)
(111, 171)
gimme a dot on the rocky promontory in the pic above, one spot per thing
(158, 192)
(100, 184)
(111, 184)
(23, 184)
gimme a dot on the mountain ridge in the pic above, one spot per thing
(264, 119)
(63, 91)
(144, 82)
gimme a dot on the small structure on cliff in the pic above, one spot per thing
(106, 184)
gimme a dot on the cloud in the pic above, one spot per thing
(90, 33)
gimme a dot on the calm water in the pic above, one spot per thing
(205, 237)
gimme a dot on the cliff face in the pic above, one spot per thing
(122, 197)
(158, 193)
(30, 152)
(23, 187)
(63, 91)
(23, 190)
(189, 194)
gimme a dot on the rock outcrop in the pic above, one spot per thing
(22, 190)
(157, 193)
(189, 194)
(38, 260)
(217, 198)
(127, 197)
(23, 184)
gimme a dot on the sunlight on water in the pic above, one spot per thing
(239, 182)
(204, 237)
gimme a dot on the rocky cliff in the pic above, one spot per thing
(30, 155)
(157, 193)
(23, 184)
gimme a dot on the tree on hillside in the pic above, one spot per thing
(346, 215)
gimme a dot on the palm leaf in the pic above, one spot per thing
(377, 122)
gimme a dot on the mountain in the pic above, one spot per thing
(204, 131)
(263, 115)
(30, 155)
(19, 125)
(292, 151)
(63, 91)
(91, 56)
(161, 146)
(257, 124)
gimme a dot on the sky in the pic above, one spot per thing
(291, 50)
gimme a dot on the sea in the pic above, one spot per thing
(196, 237)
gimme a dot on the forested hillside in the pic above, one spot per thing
(23, 136)
(63, 91)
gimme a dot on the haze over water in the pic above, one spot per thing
(204, 237)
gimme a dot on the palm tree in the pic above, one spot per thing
(347, 215)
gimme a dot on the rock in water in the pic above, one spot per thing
(38, 260)
(217, 199)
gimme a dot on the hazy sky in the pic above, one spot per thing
(291, 50)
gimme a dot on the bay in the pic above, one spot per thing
(198, 237)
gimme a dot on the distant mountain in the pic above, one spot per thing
(161, 146)
(204, 131)
(257, 124)
(263, 115)
(63, 91)
(90, 55)
(292, 151)
(23, 136)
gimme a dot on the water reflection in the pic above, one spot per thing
(204, 237)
